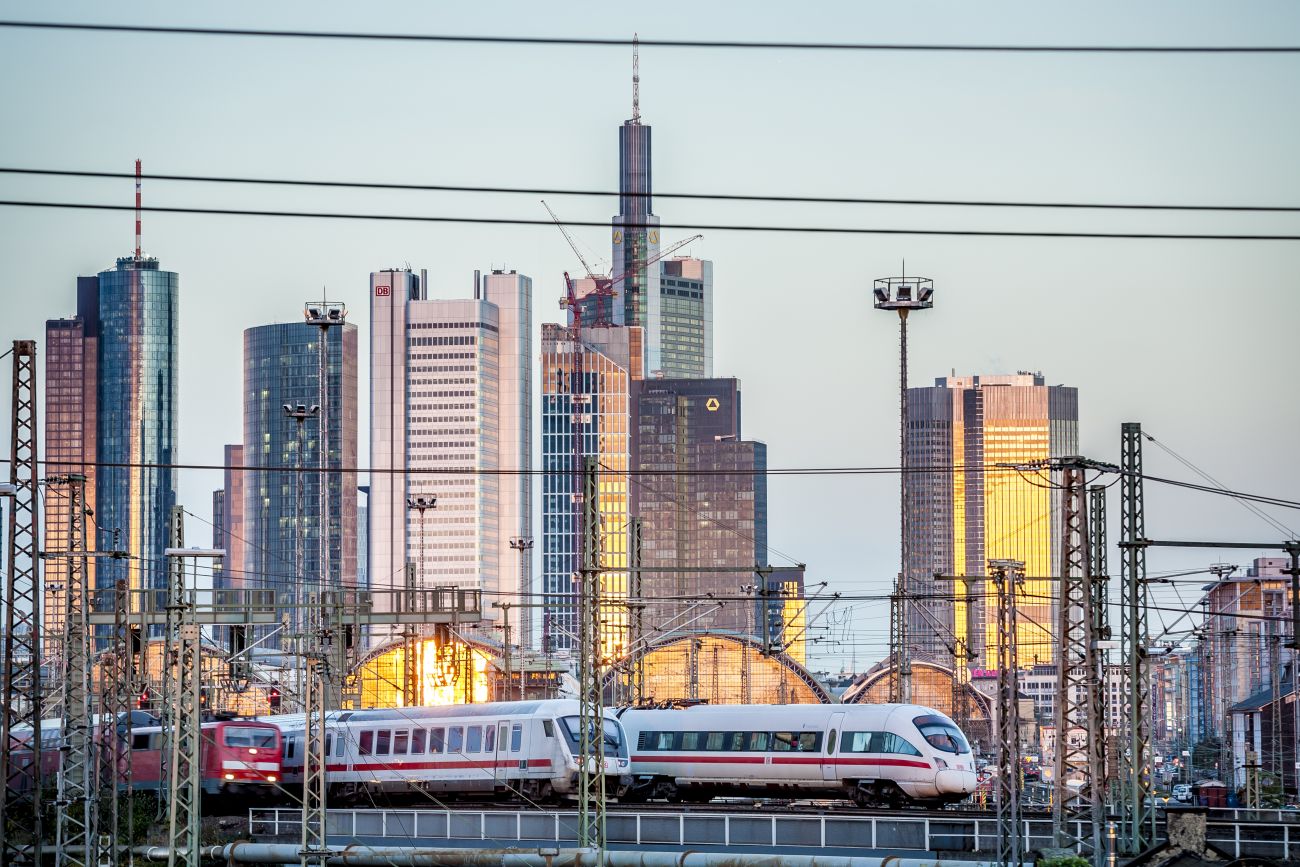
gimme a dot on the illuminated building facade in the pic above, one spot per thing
(701, 494)
(282, 366)
(137, 396)
(586, 412)
(69, 412)
(686, 317)
(450, 418)
(966, 509)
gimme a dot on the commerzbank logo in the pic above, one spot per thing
(618, 236)
(712, 404)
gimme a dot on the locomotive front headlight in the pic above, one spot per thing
(270, 778)
(252, 751)
(230, 776)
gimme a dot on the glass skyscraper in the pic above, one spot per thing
(282, 366)
(671, 300)
(966, 509)
(586, 394)
(111, 398)
(701, 493)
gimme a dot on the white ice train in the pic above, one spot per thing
(515, 749)
(876, 754)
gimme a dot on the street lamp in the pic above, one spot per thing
(903, 294)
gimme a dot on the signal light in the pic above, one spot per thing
(273, 698)
(143, 701)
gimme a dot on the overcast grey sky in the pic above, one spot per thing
(1197, 340)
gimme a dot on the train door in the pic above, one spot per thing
(831, 747)
(501, 774)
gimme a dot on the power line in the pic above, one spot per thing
(722, 197)
(612, 42)
(696, 227)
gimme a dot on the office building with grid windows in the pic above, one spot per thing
(450, 418)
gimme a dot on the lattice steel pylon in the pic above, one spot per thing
(1135, 768)
(117, 687)
(20, 703)
(171, 662)
(1099, 571)
(638, 638)
(591, 724)
(314, 807)
(900, 675)
(76, 816)
(184, 713)
(1007, 576)
(1079, 761)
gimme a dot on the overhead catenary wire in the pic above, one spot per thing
(694, 227)
(720, 197)
(623, 42)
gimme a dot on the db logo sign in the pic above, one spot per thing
(381, 291)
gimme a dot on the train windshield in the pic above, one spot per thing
(249, 736)
(941, 734)
(613, 735)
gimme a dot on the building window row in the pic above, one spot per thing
(424, 325)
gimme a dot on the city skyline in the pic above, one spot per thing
(1166, 299)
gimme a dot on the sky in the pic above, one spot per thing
(1194, 339)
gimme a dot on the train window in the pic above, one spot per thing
(140, 742)
(548, 728)
(809, 742)
(856, 742)
(489, 739)
(830, 744)
(455, 739)
(338, 745)
(474, 739)
(888, 742)
(329, 743)
(401, 741)
(292, 746)
(383, 740)
(366, 743)
(418, 738)
(715, 741)
(248, 736)
(941, 734)
(757, 742)
(692, 740)
(437, 740)
(517, 735)
(664, 741)
(783, 742)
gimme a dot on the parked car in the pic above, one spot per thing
(1182, 792)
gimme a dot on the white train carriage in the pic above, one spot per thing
(878, 755)
(517, 749)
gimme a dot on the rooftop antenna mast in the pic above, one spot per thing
(137, 210)
(636, 79)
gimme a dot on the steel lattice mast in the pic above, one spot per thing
(1134, 767)
(1099, 573)
(77, 830)
(1007, 576)
(1078, 760)
(184, 713)
(20, 704)
(117, 687)
(591, 738)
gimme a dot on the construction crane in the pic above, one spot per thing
(604, 291)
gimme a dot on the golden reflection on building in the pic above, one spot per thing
(724, 669)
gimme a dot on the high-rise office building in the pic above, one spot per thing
(701, 493)
(586, 412)
(70, 413)
(228, 521)
(671, 300)
(966, 509)
(111, 393)
(282, 366)
(450, 407)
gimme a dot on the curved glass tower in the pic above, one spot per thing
(282, 366)
(137, 398)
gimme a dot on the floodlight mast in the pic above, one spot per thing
(902, 294)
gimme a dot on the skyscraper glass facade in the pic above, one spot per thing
(970, 510)
(282, 366)
(137, 418)
(686, 318)
(586, 396)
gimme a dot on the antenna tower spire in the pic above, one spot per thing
(636, 79)
(137, 210)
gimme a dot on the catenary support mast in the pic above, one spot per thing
(1135, 773)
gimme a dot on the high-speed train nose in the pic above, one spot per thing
(953, 781)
